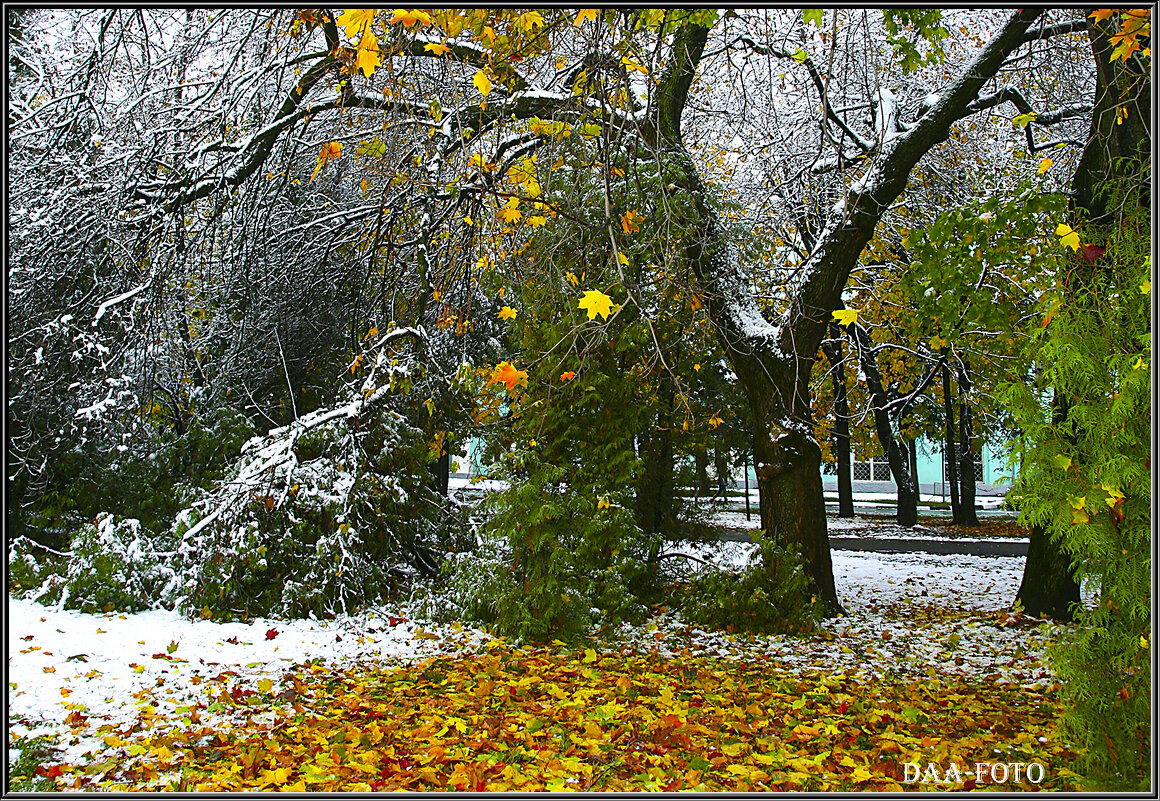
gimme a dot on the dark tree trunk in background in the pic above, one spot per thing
(441, 472)
(968, 516)
(655, 507)
(907, 507)
(721, 468)
(950, 456)
(912, 449)
(701, 461)
(833, 351)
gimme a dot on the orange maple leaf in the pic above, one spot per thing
(506, 373)
(331, 151)
(409, 16)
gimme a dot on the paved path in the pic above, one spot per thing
(995, 547)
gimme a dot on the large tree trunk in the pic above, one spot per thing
(773, 360)
(1049, 588)
(833, 351)
(949, 451)
(793, 507)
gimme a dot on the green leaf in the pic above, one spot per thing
(813, 15)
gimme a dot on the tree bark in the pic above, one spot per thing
(968, 516)
(833, 351)
(950, 457)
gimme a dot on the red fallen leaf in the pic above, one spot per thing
(1090, 253)
(232, 640)
(970, 784)
(271, 633)
(481, 786)
(52, 771)
(842, 709)
(394, 621)
(26, 639)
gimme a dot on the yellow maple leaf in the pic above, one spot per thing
(530, 20)
(1044, 166)
(537, 221)
(633, 66)
(845, 317)
(1101, 14)
(596, 302)
(482, 83)
(572, 279)
(1145, 287)
(368, 54)
(437, 49)
(586, 13)
(355, 20)
(1067, 236)
(510, 214)
(506, 373)
(409, 16)
(603, 503)
(1022, 120)
(507, 313)
(715, 421)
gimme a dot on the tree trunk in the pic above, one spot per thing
(912, 450)
(654, 494)
(701, 477)
(1048, 588)
(968, 516)
(793, 508)
(833, 351)
(441, 472)
(721, 468)
(950, 457)
(907, 498)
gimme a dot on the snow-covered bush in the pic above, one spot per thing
(113, 564)
(329, 513)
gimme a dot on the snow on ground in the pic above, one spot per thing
(113, 668)
(915, 614)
